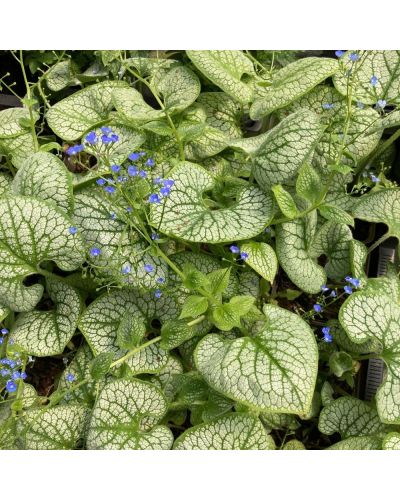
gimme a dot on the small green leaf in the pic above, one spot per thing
(225, 68)
(291, 82)
(336, 214)
(45, 176)
(184, 215)
(227, 316)
(31, 231)
(219, 280)
(280, 362)
(286, 148)
(194, 306)
(285, 201)
(100, 365)
(174, 333)
(61, 75)
(262, 258)
(231, 432)
(340, 362)
(126, 416)
(71, 117)
(308, 184)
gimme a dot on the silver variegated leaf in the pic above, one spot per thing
(231, 432)
(359, 443)
(184, 215)
(71, 117)
(225, 68)
(262, 258)
(222, 112)
(32, 231)
(5, 184)
(392, 441)
(273, 371)
(45, 176)
(126, 416)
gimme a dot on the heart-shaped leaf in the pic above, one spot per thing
(262, 258)
(184, 215)
(231, 432)
(125, 417)
(366, 316)
(273, 371)
(291, 82)
(286, 148)
(45, 333)
(71, 117)
(179, 88)
(222, 112)
(32, 231)
(61, 75)
(45, 176)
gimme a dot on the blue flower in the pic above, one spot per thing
(73, 230)
(106, 130)
(16, 375)
(339, 53)
(353, 281)
(155, 236)
(327, 336)
(348, 289)
(143, 174)
(91, 138)
(129, 209)
(4, 372)
(160, 280)
(234, 249)
(4, 331)
(157, 294)
(354, 57)
(115, 168)
(165, 191)
(113, 215)
(168, 183)
(374, 80)
(158, 180)
(134, 156)
(374, 178)
(328, 105)
(381, 103)
(154, 198)
(101, 182)
(106, 140)
(142, 153)
(73, 150)
(109, 189)
(114, 138)
(244, 255)
(1, 340)
(11, 386)
(95, 252)
(23, 375)
(333, 293)
(126, 269)
(317, 308)
(324, 288)
(150, 162)
(148, 268)
(132, 170)
(69, 377)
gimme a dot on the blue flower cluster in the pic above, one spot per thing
(9, 369)
(107, 137)
(164, 189)
(236, 250)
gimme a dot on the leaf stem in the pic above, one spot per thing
(29, 96)
(379, 242)
(132, 352)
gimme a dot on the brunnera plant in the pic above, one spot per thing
(180, 242)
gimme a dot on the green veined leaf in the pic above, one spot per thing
(222, 112)
(231, 432)
(209, 143)
(272, 371)
(11, 122)
(125, 417)
(166, 378)
(249, 145)
(364, 316)
(333, 240)
(227, 316)
(45, 333)
(83, 110)
(131, 106)
(61, 75)
(291, 82)
(384, 64)
(286, 148)
(285, 201)
(31, 231)
(179, 88)
(225, 68)
(174, 333)
(58, 428)
(194, 306)
(358, 443)
(80, 369)
(45, 176)
(342, 339)
(184, 215)
(262, 258)
(350, 417)
(358, 258)
(382, 206)
(292, 248)
(392, 441)
(131, 331)
(308, 184)
(102, 319)
(335, 214)
(5, 184)
(17, 148)
(392, 119)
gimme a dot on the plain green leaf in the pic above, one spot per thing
(194, 306)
